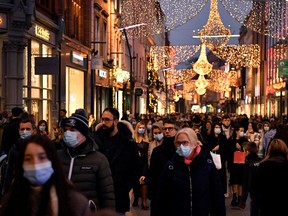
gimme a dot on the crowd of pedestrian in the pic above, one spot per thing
(84, 167)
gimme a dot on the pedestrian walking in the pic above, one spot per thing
(84, 165)
(189, 184)
(40, 187)
(272, 178)
(115, 142)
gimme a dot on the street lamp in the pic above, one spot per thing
(130, 59)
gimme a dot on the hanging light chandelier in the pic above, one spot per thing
(214, 34)
(201, 91)
(202, 66)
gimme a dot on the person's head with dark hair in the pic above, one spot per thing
(170, 128)
(63, 113)
(26, 128)
(216, 128)
(110, 119)
(238, 132)
(250, 147)
(16, 112)
(113, 111)
(37, 165)
(42, 127)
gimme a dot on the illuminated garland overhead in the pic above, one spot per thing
(266, 17)
(214, 33)
(167, 56)
(158, 16)
(202, 66)
(241, 55)
(183, 75)
(219, 81)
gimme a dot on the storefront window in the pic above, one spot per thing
(74, 90)
(37, 91)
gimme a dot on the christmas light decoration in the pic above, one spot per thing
(200, 91)
(214, 34)
(166, 56)
(201, 82)
(245, 55)
(202, 66)
(158, 16)
(266, 17)
(183, 75)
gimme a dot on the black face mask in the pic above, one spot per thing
(105, 131)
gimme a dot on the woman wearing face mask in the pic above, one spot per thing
(190, 184)
(42, 128)
(140, 187)
(236, 170)
(218, 143)
(40, 187)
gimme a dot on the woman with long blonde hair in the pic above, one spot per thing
(141, 138)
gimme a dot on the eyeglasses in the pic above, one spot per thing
(169, 128)
(184, 143)
(106, 120)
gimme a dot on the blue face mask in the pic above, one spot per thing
(158, 137)
(38, 174)
(42, 128)
(184, 151)
(149, 127)
(26, 133)
(70, 138)
(141, 131)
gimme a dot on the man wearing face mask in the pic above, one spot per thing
(159, 157)
(84, 165)
(26, 129)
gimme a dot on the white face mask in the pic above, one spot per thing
(26, 133)
(241, 134)
(158, 137)
(217, 130)
(266, 128)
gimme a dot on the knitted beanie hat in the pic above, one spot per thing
(78, 121)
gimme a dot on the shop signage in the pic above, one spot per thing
(77, 58)
(3, 21)
(42, 33)
(46, 65)
(283, 68)
(96, 63)
(102, 74)
(138, 91)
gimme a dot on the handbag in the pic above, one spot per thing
(216, 159)
(239, 157)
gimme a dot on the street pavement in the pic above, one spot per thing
(137, 211)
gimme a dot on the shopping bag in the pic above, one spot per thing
(239, 157)
(216, 159)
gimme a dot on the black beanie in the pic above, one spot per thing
(79, 122)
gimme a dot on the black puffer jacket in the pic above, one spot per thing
(193, 189)
(89, 170)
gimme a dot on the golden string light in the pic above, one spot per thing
(219, 81)
(167, 56)
(266, 17)
(202, 66)
(159, 16)
(201, 82)
(183, 75)
(245, 55)
(214, 34)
